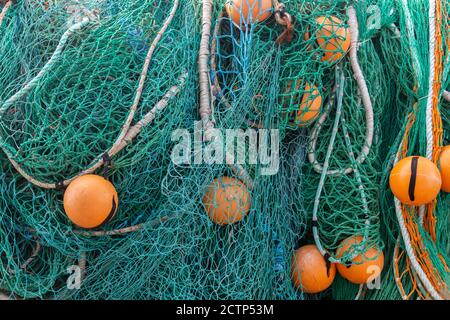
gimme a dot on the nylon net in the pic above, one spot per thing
(325, 94)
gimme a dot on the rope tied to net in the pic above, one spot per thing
(283, 18)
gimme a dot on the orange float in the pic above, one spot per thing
(364, 267)
(226, 200)
(90, 201)
(332, 37)
(309, 105)
(444, 166)
(245, 12)
(415, 181)
(309, 270)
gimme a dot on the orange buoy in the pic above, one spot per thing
(364, 267)
(226, 200)
(309, 104)
(310, 271)
(332, 37)
(444, 166)
(245, 12)
(90, 201)
(415, 181)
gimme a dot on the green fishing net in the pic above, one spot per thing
(70, 74)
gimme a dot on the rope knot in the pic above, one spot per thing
(107, 162)
(60, 186)
(284, 19)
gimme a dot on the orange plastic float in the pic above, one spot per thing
(444, 166)
(226, 200)
(363, 267)
(310, 103)
(245, 12)
(332, 37)
(90, 201)
(415, 181)
(309, 270)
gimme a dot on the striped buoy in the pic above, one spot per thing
(310, 271)
(90, 201)
(415, 181)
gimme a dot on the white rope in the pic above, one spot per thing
(203, 69)
(55, 56)
(429, 113)
(446, 95)
(409, 250)
(4, 11)
(359, 77)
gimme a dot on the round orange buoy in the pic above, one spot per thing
(226, 200)
(332, 37)
(444, 165)
(90, 201)
(309, 104)
(310, 271)
(245, 12)
(415, 181)
(364, 267)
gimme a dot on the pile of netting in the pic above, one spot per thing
(235, 132)
(92, 87)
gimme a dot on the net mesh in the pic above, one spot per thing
(76, 77)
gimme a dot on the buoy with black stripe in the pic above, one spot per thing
(415, 181)
(90, 201)
(310, 271)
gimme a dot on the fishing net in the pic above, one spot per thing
(79, 81)
(313, 98)
(421, 251)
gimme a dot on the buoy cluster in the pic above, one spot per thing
(90, 201)
(312, 273)
(331, 41)
(414, 181)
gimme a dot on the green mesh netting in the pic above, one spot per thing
(70, 78)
